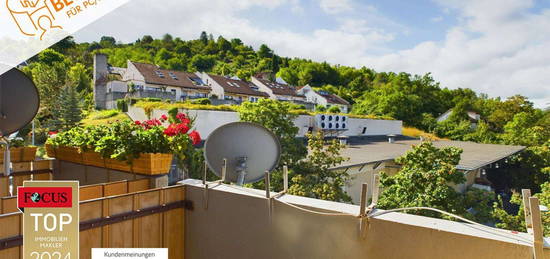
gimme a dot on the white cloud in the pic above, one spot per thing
(335, 6)
(500, 51)
(437, 19)
(181, 18)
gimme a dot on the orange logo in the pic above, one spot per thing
(33, 17)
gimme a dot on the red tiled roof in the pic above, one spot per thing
(237, 86)
(332, 98)
(279, 89)
(157, 76)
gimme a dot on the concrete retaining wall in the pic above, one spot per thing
(208, 121)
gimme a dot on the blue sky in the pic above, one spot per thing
(498, 47)
(411, 21)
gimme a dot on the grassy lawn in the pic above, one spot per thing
(416, 133)
(104, 117)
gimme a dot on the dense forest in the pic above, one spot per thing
(417, 100)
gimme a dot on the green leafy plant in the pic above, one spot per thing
(126, 140)
(334, 109)
(122, 105)
(17, 142)
(204, 101)
(424, 181)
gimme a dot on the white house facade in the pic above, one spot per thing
(232, 89)
(278, 91)
(324, 98)
(148, 77)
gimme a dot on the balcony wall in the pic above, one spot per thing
(238, 224)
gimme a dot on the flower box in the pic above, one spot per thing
(20, 154)
(41, 165)
(146, 163)
(70, 154)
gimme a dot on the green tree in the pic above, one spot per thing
(265, 51)
(69, 113)
(506, 111)
(79, 76)
(64, 45)
(424, 181)
(517, 221)
(50, 57)
(395, 104)
(49, 80)
(276, 116)
(147, 39)
(167, 38)
(312, 176)
(204, 38)
(223, 44)
(202, 63)
(524, 129)
(107, 41)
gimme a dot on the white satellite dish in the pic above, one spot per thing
(249, 149)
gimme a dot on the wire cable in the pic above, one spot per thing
(496, 231)
(373, 214)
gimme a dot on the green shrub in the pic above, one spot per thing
(148, 107)
(203, 101)
(334, 109)
(173, 112)
(150, 99)
(320, 108)
(122, 105)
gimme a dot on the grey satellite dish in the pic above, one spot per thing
(19, 101)
(249, 149)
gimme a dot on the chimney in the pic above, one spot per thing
(100, 66)
(101, 70)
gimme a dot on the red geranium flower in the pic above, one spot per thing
(52, 133)
(182, 128)
(170, 131)
(137, 123)
(163, 117)
(182, 118)
(195, 137)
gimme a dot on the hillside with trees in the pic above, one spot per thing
(63, 75)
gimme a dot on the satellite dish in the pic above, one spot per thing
(249, 149)
(19, 101)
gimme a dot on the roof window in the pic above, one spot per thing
(173, 76)
(159, 74)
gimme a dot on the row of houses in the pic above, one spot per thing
(148, 80)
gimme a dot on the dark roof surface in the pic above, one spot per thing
(237, 86)
(155, 75)
(332, 98)
(279, 89)
(474, 155)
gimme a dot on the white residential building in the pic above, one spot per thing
(232, 88)
(149, 77)
(324, 98)
(278, 91)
